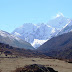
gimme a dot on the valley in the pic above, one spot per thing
(35, 36)
(42, 44)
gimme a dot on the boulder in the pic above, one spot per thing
(35, 68)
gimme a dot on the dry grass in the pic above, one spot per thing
(10, 64)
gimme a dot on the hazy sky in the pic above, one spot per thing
(14, 13)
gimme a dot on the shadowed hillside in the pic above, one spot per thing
(60, 46)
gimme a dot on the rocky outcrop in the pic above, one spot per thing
(35, 68)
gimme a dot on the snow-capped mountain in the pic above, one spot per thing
(26, 32)
(59, 21)
(14, 41)
(34, 34)
(37, 34)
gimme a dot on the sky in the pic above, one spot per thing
(14, 13)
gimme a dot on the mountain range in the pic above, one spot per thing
(37, 34)
(53, 39)
(34, 34)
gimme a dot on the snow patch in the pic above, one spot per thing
(17, 34)
(37, 43)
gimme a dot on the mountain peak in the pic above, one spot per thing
(59, 15)
(59, 21)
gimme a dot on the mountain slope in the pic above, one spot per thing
(13, 40)
(60, 46)
(67, 28)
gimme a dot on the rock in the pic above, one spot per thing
(35, 68)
